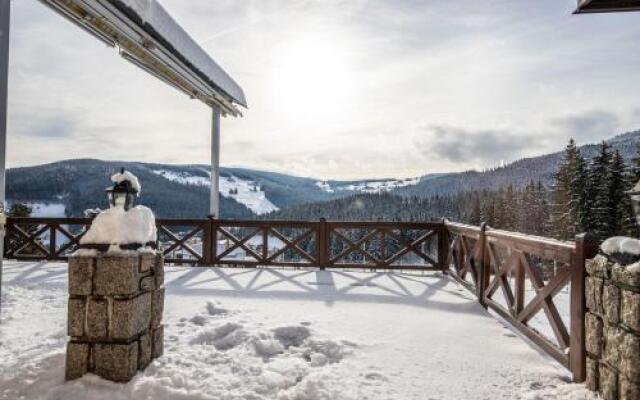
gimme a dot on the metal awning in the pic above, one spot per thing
(150, 38)
(602, 6)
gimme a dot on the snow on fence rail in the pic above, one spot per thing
(524, 279)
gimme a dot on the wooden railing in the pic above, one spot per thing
(371, 245)
(501, 268)
(43, 238)
(524, 279)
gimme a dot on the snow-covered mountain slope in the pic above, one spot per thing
(184, 177)
(47, 210)
(367, 186)
(248, 193)
(243, 191)
(182, 191)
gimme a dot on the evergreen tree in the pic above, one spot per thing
(476, 212)
(597, 202)
(568, 208)
(509, 207)
(635, 166)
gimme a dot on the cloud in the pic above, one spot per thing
(485, 147)
(588, 126)
(54, 127)
(482, 81)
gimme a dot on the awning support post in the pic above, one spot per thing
(5, 14)
(214, 210)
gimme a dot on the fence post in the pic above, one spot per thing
(443, 246)
(586, 248)
(213, 235)
(323, 244)
(483, 270)
(206, 243)
(52, 242)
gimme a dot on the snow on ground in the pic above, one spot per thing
(248, 192)
(369, 186)
(184, 178)
(286, 335)
(47, 210)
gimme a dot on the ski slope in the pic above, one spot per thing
(243, 191)
(378, 186)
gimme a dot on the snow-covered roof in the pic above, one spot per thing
(157, 21)
(148, 36)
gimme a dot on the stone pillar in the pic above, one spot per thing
(114, 314)
(613, 328)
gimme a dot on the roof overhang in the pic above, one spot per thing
(147, 36)
(604, 6)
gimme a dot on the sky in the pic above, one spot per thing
(337, 89)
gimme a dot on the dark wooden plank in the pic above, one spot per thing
(585, 248)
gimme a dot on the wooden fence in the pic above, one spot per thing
(500, 267)
(519, 277)
(370, 245)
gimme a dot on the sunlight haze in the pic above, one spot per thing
(336, 88)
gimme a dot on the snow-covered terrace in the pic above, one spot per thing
(287, 334)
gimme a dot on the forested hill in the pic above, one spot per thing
(369, 207)
(182, 191)
(518, 173)
(172, 191)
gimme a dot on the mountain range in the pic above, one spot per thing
(67, 188)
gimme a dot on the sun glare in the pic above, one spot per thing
(313, 77)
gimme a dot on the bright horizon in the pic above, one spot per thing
(336, 89)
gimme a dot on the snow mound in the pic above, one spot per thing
(267, 348)
(116, 226)
(623, 250)
(621, 245)
(224, 337)
(127, 176)
(291, 335)
(198, 320)
(213, 309)
(634, 268)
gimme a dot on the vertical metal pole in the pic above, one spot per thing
(214, 210)
(5, 13)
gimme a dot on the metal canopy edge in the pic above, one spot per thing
(164, 50)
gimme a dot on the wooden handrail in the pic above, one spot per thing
(491, 276)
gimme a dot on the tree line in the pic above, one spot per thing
(586, 195)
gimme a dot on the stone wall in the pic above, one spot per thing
(114, 314)
(613, 329)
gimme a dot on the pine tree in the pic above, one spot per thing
(597, 219)
(488, 209)
(567, 208)
(635, 166)
(476, 212)
(509, 207)
(541, 214)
